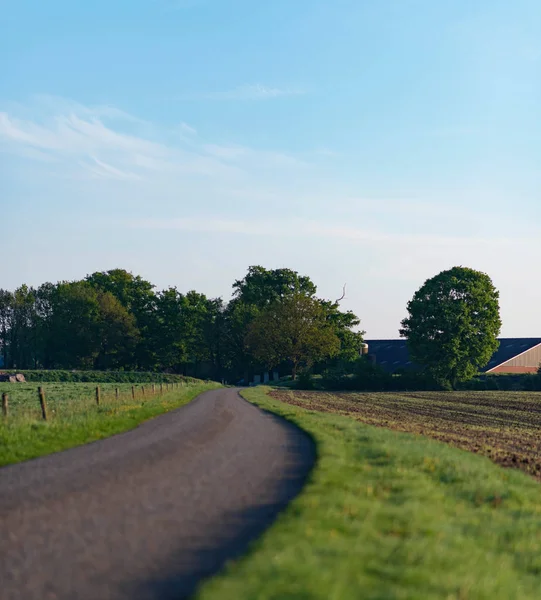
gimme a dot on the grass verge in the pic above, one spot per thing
(23, 436)
(390, 515)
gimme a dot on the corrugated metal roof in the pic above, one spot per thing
(393, 354)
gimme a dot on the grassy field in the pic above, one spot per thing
(74, 418)
(388, 515)
(504, 426)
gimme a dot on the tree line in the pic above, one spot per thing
(114, 320)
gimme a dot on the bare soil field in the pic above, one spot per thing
(504, 426)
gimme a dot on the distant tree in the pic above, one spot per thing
(6, 313)
(294, 329)
(187, 330)
(23, 338)
(137, 296)
(74, 326)
(256, 291)
(453, 324)
(343, 324)
(117, 334)
(262, 287)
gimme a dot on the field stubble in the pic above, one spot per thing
(504, 426)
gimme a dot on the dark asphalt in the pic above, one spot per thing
(147, 514)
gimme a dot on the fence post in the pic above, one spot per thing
(117, 393)
(98, 395)
(153, 388)
(133, 392)
(5, 399)
(42, 403)
(143, 389)
(161, 389)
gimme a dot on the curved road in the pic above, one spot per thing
(147, 514)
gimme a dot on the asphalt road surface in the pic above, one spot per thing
(149, 513)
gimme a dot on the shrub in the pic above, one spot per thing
(61, 376)
(304, 381)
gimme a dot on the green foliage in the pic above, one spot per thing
(137, 296)
(51, 376)
(262, 287)
(114, 320)
(453, 324)
(293, 329)
(504, 382)
(343, 324)
(188, 325)
(363, 375)
(117, 332)
(305, 381)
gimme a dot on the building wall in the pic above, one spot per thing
(504, 369)
(528, 362)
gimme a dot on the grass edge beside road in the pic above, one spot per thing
(388, 515)
(20, 441)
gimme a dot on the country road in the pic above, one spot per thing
(147, 514)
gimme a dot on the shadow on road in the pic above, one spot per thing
(237, 529)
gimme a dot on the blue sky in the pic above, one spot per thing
(373, 143)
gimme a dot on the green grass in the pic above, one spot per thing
(75, 419)
(73, 376)
(389, 515)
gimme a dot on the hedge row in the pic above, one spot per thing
(363, 376)
(103, 377)
(504, 383)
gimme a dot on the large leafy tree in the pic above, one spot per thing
(137, 296)
(187, 331)
(261, 287)
(453, 324)
(293, 329)
(117, 334)
(87, 328)
(251, 295)
(344, 324)
(74, 326)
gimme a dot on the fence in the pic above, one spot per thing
(69, 399)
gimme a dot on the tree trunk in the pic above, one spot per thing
(294, 371)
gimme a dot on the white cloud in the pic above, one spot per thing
(102, 169)
(232, 205)
(93, 139)
(185, 128)
(255, 91)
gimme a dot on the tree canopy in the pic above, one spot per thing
(294, 329)
(453, 324)
(117, 320)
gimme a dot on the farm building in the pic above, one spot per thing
(515, 355)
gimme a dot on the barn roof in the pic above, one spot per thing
(393, 354)
(509, 348)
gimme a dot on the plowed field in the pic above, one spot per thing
(504, 426)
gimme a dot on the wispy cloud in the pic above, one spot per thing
(95, 141)
(255, 91)
(104, 170)
(185, 128)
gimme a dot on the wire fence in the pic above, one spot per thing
(47, 402)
